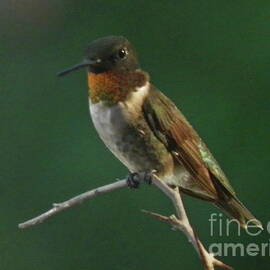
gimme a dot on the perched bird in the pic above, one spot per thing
(145, 130)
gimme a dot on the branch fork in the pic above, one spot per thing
(179, 222)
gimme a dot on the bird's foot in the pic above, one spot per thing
(134, 179)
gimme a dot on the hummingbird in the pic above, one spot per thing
(147, 132)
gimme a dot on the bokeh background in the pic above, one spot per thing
(211, 57)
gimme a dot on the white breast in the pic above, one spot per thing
(110, 121)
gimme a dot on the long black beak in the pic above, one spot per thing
(84, 63)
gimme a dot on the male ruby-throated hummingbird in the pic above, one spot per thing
(145, 130)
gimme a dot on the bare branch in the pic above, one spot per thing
(179, 222)
(59, 207)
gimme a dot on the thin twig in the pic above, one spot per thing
(59, 207)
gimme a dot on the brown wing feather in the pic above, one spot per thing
(171, 127)
(181, 138)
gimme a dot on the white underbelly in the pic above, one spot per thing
(109, 122)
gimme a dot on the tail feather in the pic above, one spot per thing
(227, 202)
(235, 209)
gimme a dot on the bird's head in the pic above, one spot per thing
(112, 53)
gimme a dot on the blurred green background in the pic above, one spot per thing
(211, 57)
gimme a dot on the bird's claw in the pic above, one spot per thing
(134, 179)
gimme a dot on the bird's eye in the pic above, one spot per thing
(122, 53)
